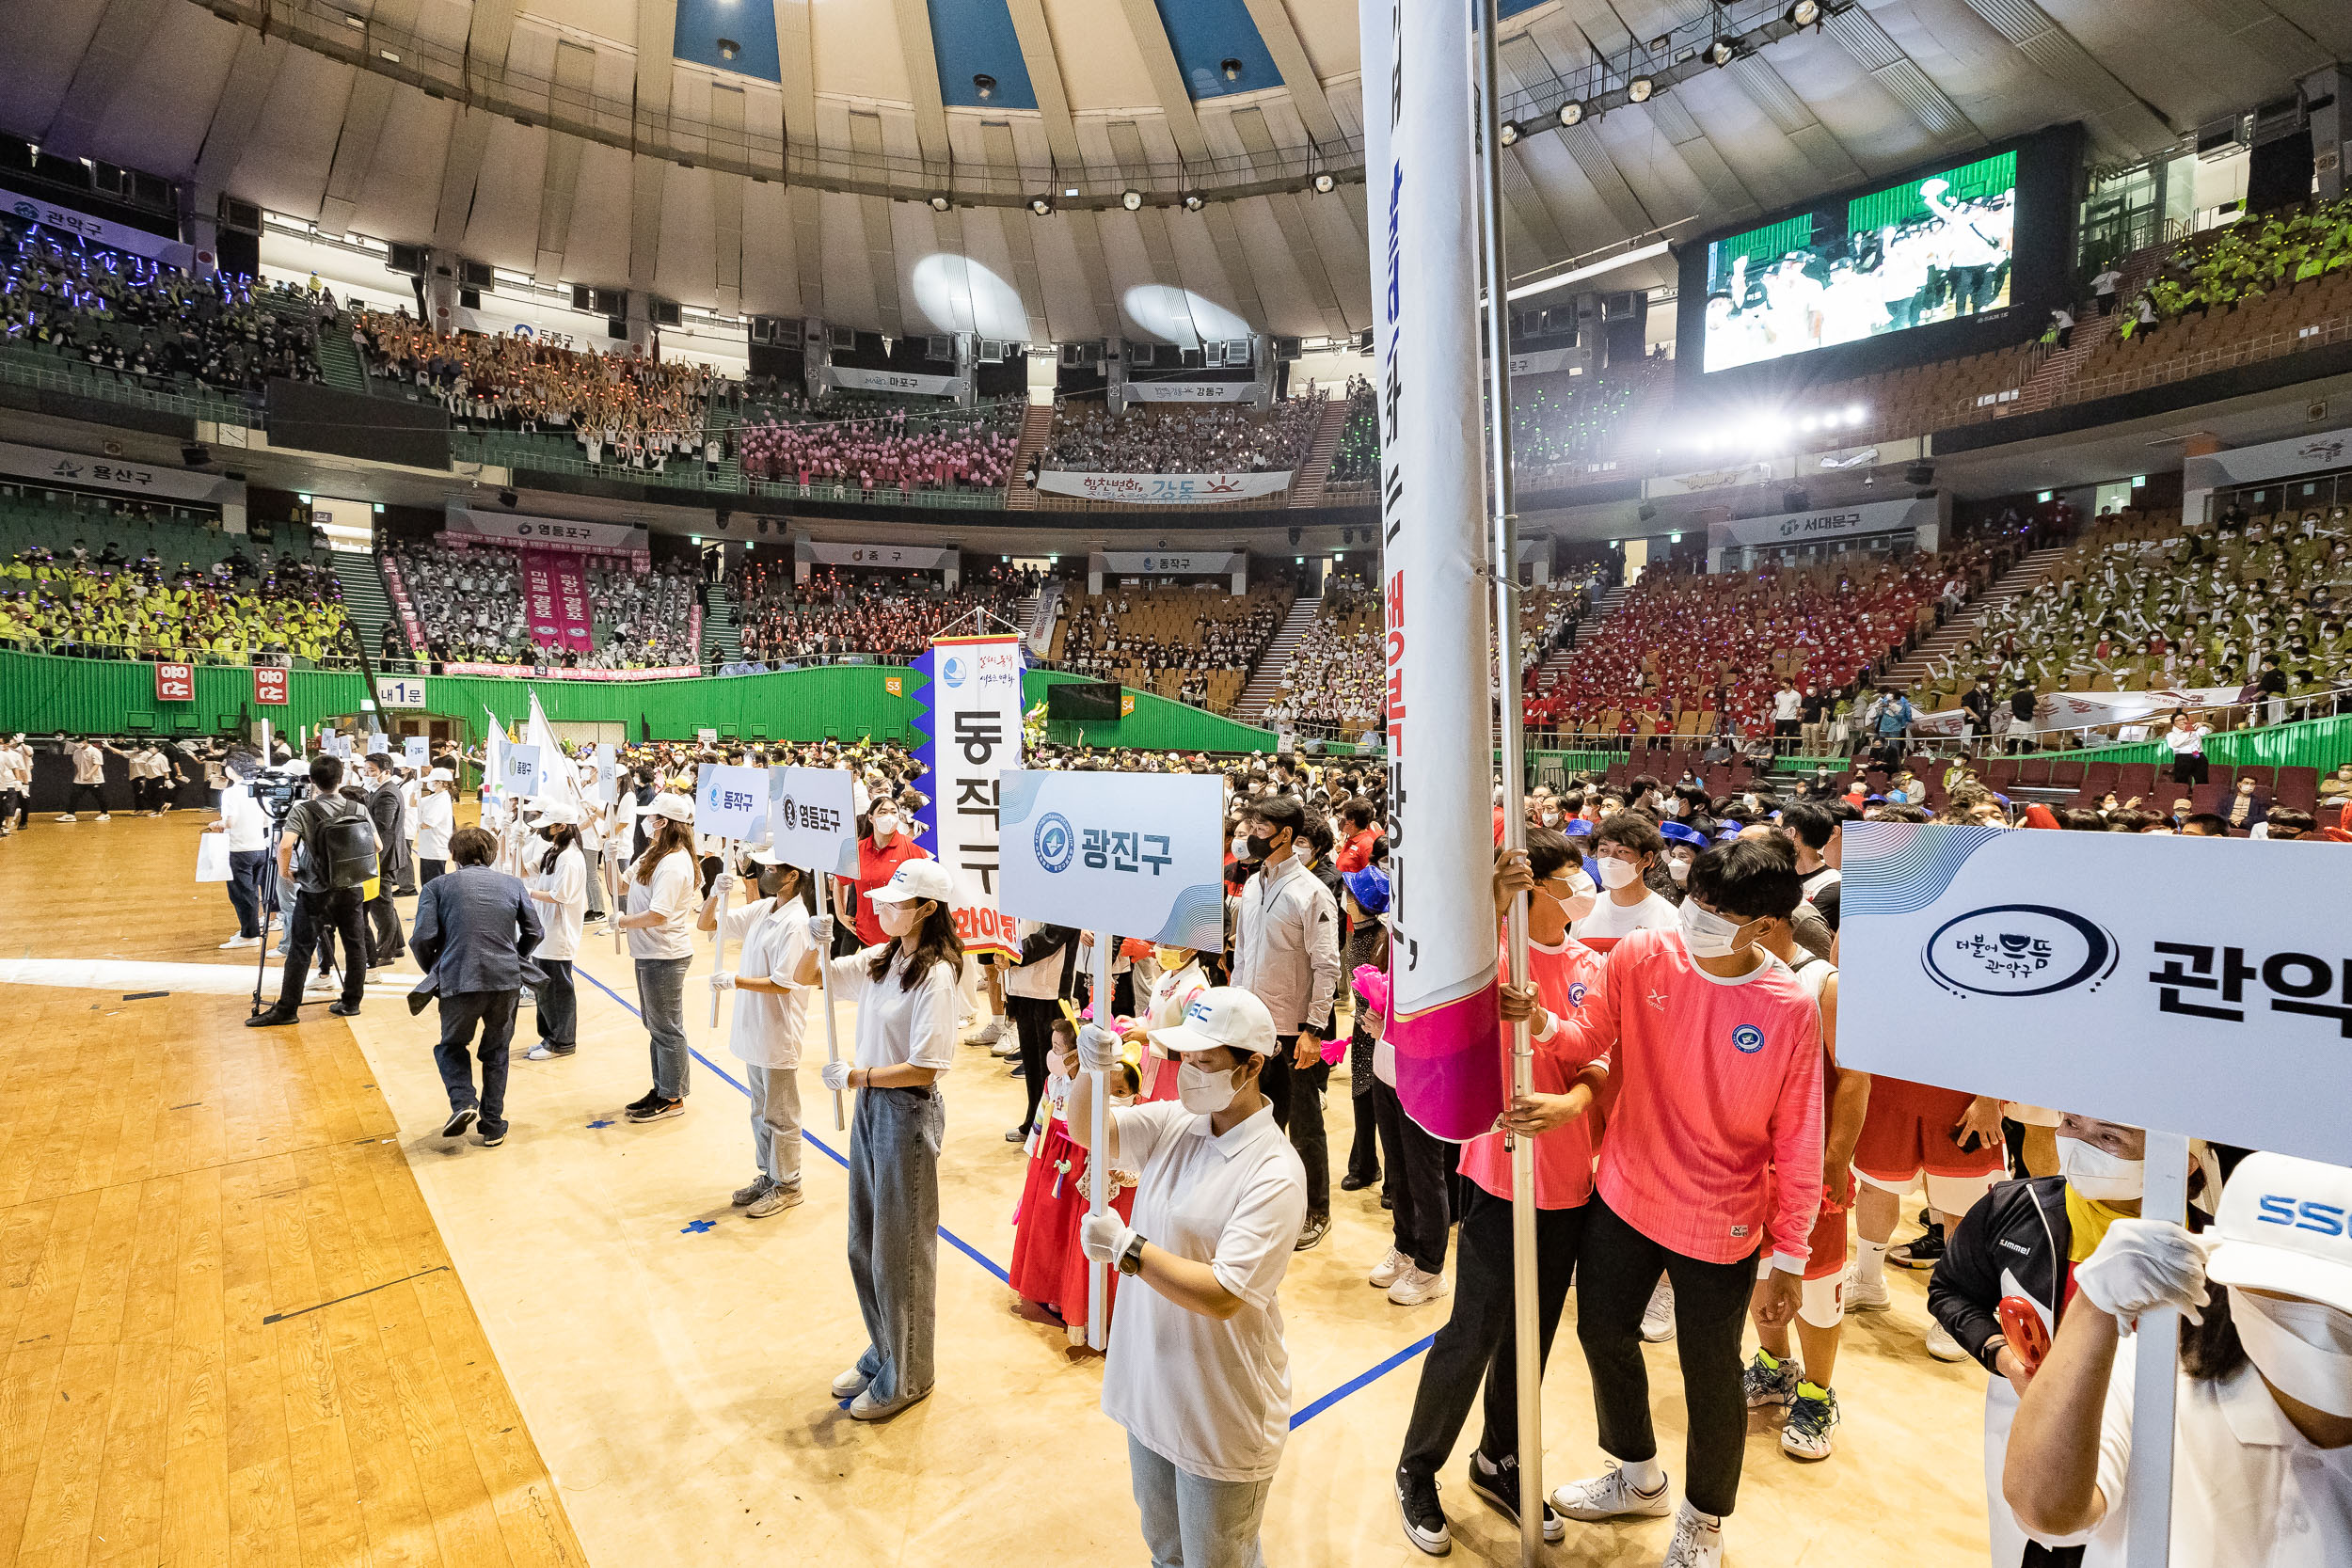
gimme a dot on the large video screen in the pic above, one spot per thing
(1929, 251)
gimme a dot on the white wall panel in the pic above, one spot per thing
(159, 118)
(285, 165)
(503, 227)
(404, 189)
(772, 283)
(1100, 67)
(686, 272)
(597, 251)
(41, 46)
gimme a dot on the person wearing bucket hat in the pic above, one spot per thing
(905, 992)
(661, 897)
(1195, 1370)
(2263, 1425)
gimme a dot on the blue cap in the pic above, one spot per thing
(1576, 827)
(1674, 832)
(1729, 832)
(1369, 888)
(1875, 799)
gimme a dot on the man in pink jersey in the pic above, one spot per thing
(1716, 1051)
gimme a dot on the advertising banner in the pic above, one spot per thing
(908, 558)
(557, 672)
(1164, 489)
(175, 683)
(971, 727)
(1171, 563)
(269, 684)
(2296, 454)
(538, 575)
(399, 692)
(1192, 391)
(97, 230)
(731, 801)
(1797, 528)
(108, 473)
(812, 818)
(573, 616)
(892, 381)
(508, 528)
(1445, 1018)
(2070, 970)
(2078, 710)
(1133, 854)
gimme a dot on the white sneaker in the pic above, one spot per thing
(1658, 1319)
(1415, 1286)
(68, 817)
(1942, 1345)
(323, 983)
(1384, 1274)
(1610, 1496)
(1863, 1296)
(989, 1033)
(1697, 1544)
(106, 816)
(234, 943)
(849, 1385)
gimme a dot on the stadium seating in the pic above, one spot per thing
(1172, 640)
(885, 615)
(472, 604)
(1153, 439)
(891, 450)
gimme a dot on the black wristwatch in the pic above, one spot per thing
(1130, 1256)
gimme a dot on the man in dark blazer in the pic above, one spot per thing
(474, 936)
(389, 814)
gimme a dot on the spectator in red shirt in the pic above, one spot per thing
(1356, 847)
(880, 848)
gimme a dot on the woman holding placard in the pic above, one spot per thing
(770, 935)
(436, 819)
(904, 989)
(663, 895)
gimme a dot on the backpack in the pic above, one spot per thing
(342, 848)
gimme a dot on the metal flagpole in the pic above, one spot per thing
(2148, 1484)
(719, 931)
(1503, 563)
(833, 1042)
(1098, 1166)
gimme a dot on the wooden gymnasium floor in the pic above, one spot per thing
(256, 1310)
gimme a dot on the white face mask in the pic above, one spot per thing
(894, 919)
(1202, 1092)
(2099, 1173)
(886, 828)
(1678, 870)
(1705, 933)
(1615, 874)
(2303, 1348)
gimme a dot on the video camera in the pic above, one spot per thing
(275, 793)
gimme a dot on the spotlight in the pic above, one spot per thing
(195, 455)
(1659, 44)
(1804, 13)
(1232, 68)
(763, 525)
(985, 86)
(1041, 205)
(1294, 536)
(508, 497)
(1572, 113)
(1132, 200)
(1917, 474)
(1807, 424)
(1194, 201)
(939, 204)
(1640, 89)
(1508, 133)
(1855, 413)
(1722, 52)
(729, 49)
(1324, 184)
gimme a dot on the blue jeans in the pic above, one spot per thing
(661, 997)
(249, 888)
(495, 1011)
(775, 1121)
(893, 1235)
(1192, 1522)
(559, 1004)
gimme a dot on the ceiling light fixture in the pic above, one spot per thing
(1572, 113)
(1804, 13)
(1324, 184)
(1640, 89)
(1132, 200)
(1194, 201)
(1232, 68)
(985, 86)
(1722, 53)
(1659, 44)
(939, 204)
(1043, 206)
(1508, 133)
(729, 49)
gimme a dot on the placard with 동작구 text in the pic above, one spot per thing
(416, 750)
(2184, 985)
(1133, 854)
(812, 818)
(971, 724)
(730, 801)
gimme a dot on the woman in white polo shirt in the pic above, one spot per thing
(1197, 1370)
(436, 819)
(770, 933)
(663, 895)
(905, 992)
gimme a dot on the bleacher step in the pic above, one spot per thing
(1265, 679)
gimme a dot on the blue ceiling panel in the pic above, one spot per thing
(1205, 34)
(975, 38)
(748, 24)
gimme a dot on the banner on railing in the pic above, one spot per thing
(1836, 522)
(2090, 710)
(98, 231)
(858, 380)
(2268, 460)
(1171, 563)
(1192, 391)
(559, 534)
(558, 673)
(107, 473)
(1164, 489)
(897, 558)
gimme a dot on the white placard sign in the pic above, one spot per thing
(335, 746)
(519, 770)
(416, 750)
(1138, 854)
(608, 760)
(730, 801)
(812, 818)
(403, 691)
(2106, 973)
(1171, 563)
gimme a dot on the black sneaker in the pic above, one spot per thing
(1353, 1183)
(459, 1122)
(270, 1019)
(651, 1097)
(1498, 1487)
(658, 1109)
(1317, 1226)
(491, 1140)
(1923, 1251)
(344, 1010)
(1423, 1520)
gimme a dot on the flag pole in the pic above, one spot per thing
(1098, 1163)
(1502, 564)
(833, 1042)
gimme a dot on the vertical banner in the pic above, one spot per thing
(573, 617)
(971, 733)
(1451, 1073)
(539, 596)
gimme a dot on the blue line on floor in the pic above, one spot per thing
(1299, 1419)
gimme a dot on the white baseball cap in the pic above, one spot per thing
(677, 808)
(442, 774)
(560, 811)
(2286, 1226)
(1222, 1015)
(766, 855)
(915, 881)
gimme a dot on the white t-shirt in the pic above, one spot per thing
(1788, 704)
(677, 896)
(1612, 919)
(2187, 742)
(249, 824)
(561, 919)
(436, 819)
(1213, 1399)
(765, 1028)
(895, 1024)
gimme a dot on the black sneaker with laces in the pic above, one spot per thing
(1312, 1231)
(1922, 1252)
(1498, 1487)
(1417, 1508)
(651, 1097)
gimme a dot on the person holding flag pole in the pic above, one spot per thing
(771, 1014)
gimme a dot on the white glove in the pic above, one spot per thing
(724, 980)
(725, 883)
(837, 1075)
(1098, 1048)
(1103, 1237)
(821, 933)
(2143, 1264)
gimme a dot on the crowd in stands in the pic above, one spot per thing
(1556, 422)
(2143, 603)
(471, 602)
(1101, 638)
(1356, 460)
(2249, 259)
(891, 616)
(1335, 676)
(960, 449)
(619, 406)
(141, 320)
(1179, 439)
(105, 606)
